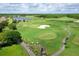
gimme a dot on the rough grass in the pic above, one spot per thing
(14, 50)
(73, 44)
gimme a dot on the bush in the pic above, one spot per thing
(14, 21)
(10, 37)
(2, 25)
(12, 26)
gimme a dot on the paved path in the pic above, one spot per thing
(27, 49)
(62, 47)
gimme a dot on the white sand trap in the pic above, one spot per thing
(43, 26)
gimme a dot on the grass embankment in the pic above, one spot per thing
(73, 42)
(14, 50)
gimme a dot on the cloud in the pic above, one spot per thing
(39, 8)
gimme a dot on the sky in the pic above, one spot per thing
(38, 8)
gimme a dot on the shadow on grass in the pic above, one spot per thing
(5, 44)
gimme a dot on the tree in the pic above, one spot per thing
(3, 41)
(23, 20)
(12, 26)
(1, 27)
(1, 37)
(10, 37)
(14, 21)
(3, 24)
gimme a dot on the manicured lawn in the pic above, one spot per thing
(73, 44)
(14, 50)
(49, 38)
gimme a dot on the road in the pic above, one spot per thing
(27, 48)
(63, 45)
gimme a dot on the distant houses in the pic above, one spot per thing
(21, 18)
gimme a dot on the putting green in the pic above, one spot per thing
(47, 36)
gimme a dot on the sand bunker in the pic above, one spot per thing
(43, 26)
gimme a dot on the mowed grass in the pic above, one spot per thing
(14, 50)
(73, 43)
(49, 38)
(32, 34)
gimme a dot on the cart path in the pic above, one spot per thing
(62, 47)
(27, 48)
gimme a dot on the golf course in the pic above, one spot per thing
(48, 35)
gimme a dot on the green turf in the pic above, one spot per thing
(31, 33)
(14, 50)
(73, 43)
(49, 38)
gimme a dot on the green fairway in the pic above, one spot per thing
(73, 44)
(15, 50)
(49, 38)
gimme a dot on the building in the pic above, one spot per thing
(21, 18)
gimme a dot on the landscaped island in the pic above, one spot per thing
(39, 34)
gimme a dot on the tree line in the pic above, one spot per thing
(10, 36)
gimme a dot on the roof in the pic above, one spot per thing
(21, 18)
